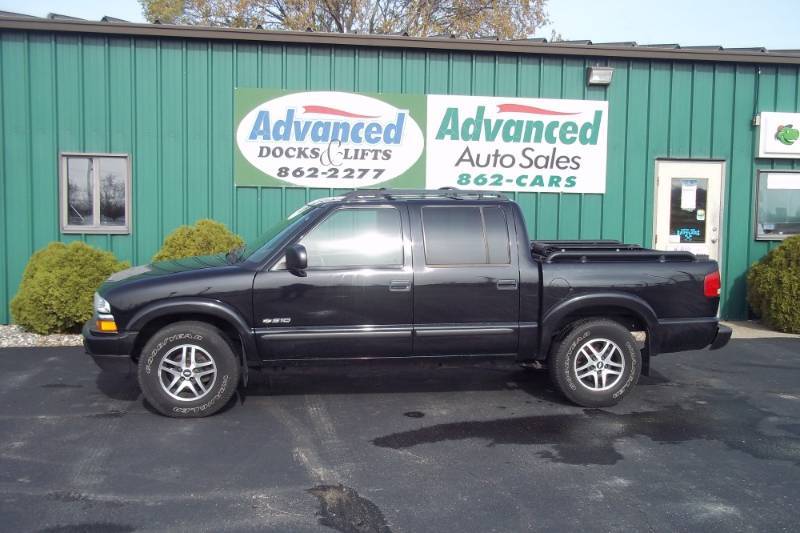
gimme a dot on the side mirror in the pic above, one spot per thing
(296, 259)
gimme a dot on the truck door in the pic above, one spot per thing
(466, 279)
(354, 300)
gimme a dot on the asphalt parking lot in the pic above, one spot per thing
(710, 441)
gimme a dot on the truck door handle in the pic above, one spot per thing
(400, 285)
(506, 284)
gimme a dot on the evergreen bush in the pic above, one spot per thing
(206, 237)
(773, 287)
(55, 295)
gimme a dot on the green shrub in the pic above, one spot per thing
(773, 287)
(206, 237)
(56, 291)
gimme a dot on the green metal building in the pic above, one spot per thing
(147, 113)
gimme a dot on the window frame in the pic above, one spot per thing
(96, 227)
(762, 173)
(480, 209)
(329, 215)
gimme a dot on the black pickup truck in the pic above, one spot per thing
(378, 274)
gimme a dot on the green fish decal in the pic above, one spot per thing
(787, 134)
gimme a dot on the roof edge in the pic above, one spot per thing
(395, 41)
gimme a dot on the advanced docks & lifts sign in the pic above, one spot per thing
(348, 140)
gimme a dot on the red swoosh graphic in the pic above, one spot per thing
(519, 108)
(332, 111)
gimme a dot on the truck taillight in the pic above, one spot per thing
(712, 284)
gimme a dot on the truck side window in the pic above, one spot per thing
(356, 237)
(496, 235)
(457, 235)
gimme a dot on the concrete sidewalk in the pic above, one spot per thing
(751, 329)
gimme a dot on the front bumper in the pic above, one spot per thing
(722, 337)
(110, 351)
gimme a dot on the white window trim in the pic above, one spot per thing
(96, 228)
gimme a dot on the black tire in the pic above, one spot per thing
(570, 354)
(204, 398)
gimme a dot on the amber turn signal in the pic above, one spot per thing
(106, 326)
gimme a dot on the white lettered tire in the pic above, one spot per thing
(596, 363)
(188, 370)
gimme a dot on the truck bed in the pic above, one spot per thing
(602, 251)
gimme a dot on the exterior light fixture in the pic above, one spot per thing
(599, 75)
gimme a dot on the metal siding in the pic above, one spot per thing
(172, 124)
(17, 156)
(198, 127)
(221, 145)
(437, 71)
(343, 77)
(415, 69)
(120, 118)
(146, 180)
(636, 160)
(246, 198)
(4, 291)
(591, 212)
(169, 103)
(618, 111)
(547, 206)
(569, 209)
(43, 143)
(739, 192)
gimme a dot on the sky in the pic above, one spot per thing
(730, 23)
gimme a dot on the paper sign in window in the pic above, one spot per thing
(783, 180)
(689, 195)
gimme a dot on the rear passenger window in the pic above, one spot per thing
(496, 235)
(465, 235)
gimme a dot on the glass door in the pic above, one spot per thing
(688, 206)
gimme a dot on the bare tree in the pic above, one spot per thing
(503, 19)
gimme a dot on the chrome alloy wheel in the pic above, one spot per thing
(599, 364)
(187, 372)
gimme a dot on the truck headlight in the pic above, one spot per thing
(105, 320)
(101, 305)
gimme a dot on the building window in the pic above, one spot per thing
(95, 193)
(777, 204)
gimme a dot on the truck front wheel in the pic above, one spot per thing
(188, 370)
(596, 363)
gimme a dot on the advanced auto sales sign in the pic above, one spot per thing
(517, 144)
(335, 139)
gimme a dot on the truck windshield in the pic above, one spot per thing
(262, 247)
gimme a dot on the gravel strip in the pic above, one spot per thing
(16, 337)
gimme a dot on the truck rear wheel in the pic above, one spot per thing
(188, 370)
(596, 363)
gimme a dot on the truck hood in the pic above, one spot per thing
(165, 268)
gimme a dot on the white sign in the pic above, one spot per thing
(783, 180)
(517, 144)
(329, 139)
(688, 195)
(779, 136)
